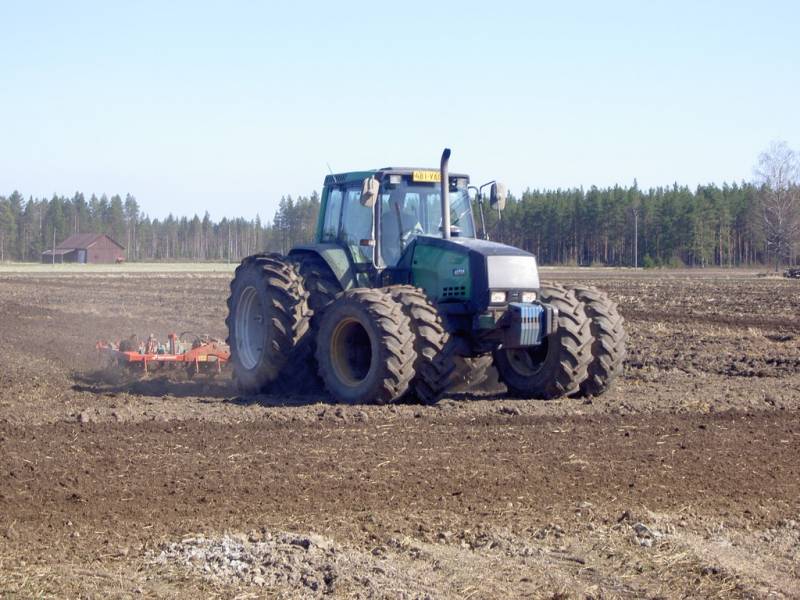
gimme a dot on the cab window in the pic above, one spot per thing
(356, 225)
(333, 210)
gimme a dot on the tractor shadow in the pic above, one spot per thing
(178, 385)
(221, 389)
(277, 400)
(207, 390)
(287, 394)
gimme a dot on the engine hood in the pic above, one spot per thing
(467, 270)
(482, 247)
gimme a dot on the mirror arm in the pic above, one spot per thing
(483, 222)
(480, 195)
(377, 259)
(479, 200)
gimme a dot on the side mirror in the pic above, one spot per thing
(369, 192)
(497, 197)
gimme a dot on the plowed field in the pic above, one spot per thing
(683, 481)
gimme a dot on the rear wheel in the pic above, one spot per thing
(557, 366)
(365, 348)
(267, 319)
(608, 340)
(300, 375)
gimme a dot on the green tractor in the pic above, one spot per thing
(399, 296)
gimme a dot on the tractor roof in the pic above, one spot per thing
(359, 176)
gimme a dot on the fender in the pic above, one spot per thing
(335, 257)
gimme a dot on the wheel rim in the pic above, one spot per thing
(527, 361)
(250, 328)
(351, 352)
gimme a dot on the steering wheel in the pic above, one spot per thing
(413, 232)
(463, 214)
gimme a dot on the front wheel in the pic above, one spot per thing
(365, 348)
(608, 340)
(557, 366)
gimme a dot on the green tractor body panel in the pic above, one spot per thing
(338, 259)
(461, 275)
(443, 273)
(466, 270)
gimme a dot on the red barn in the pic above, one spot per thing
(86, 248)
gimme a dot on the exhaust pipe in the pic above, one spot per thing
(443, 169)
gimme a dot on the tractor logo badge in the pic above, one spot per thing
(460, 272)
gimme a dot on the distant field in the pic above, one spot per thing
(212, 267)
(128, 267)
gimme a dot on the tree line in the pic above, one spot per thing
(748, 223)
(30, 226)
(626, 226)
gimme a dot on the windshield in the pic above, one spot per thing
(412, 209)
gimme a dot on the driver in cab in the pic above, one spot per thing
(399, 225)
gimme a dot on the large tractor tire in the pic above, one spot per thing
(365, 348)
(300, 374)
(430, 338)
(320, 283)
(559, 365)
(608, 340)
(268, 317)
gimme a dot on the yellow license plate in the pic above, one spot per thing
(426, 176)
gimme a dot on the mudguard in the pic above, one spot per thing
(335, 257)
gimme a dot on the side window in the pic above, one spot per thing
(356, 225)
(333, 209)
(433, 214)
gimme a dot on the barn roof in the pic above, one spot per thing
(81, 241)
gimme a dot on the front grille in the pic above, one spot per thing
(454, 292)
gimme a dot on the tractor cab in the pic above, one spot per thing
(376, 226)
(396, 226)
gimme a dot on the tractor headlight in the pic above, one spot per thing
(497, 297)
(528, 297)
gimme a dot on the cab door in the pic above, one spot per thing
(357, 233)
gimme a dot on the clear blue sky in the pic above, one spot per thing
(194, 106)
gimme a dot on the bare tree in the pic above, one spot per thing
(778, 174)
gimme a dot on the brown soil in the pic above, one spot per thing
(683, 481)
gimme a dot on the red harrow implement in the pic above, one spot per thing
(201, 355)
